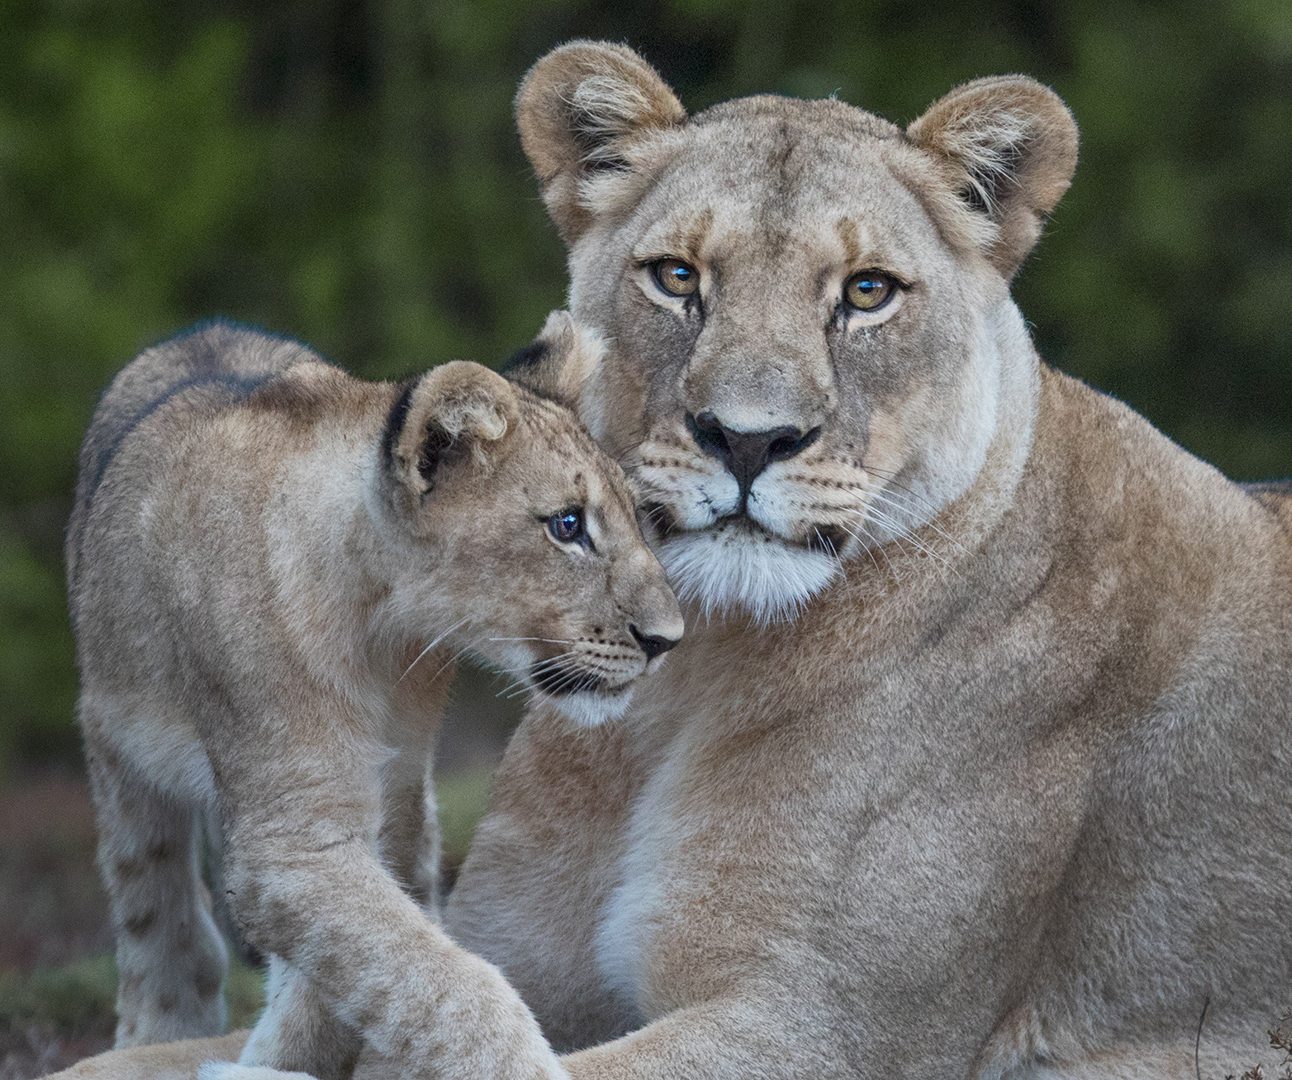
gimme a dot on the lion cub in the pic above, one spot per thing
(272, 566)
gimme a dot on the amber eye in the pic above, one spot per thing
(869, 291)
(676, 277)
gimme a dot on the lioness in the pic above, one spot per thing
(980, 765)
(272, 567)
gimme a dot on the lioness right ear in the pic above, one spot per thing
(453, 412)
(580, 109)
(558, 362)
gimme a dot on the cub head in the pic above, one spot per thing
(516, 537)
(813, 344)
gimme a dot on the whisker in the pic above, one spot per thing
(457, 625)
(520, 683)
(884, 518)
(890, 478)
(888, 499)
(546, 640)
(454, 659)
(870, 548)
(519, 678)
(568, 679)
(902, 534)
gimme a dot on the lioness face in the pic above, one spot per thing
(519, 539)
(808, 308)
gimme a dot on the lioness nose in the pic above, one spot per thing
(652, 644)
(746, 453)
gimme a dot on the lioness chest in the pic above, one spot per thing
(624, 874)
(619, 874)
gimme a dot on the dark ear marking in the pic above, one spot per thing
(395, 421)
(434, 449)
(557, 363)
(455, 412)
(530, 356)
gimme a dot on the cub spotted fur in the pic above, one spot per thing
(272, 566)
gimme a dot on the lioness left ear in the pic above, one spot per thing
(1009, 146)
(558, 362)
(450, 414)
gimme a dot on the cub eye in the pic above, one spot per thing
(869, 290)
(567, 526)
(675, 277)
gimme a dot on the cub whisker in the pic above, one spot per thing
(456, 626)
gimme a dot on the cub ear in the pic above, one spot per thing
(580, 109)
(453, 412)
(1009, 146)
(559, 361)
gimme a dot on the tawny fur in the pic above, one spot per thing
(1009, 797)
(273, 567)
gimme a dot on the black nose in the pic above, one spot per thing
(746, 453)
(652, 644)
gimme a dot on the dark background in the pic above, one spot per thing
(347, 172)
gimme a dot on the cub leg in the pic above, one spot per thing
(410, 841)
(308, 884)
(297, 1030)
(171, 959)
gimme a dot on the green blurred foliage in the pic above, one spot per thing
(78, 998)
(346, 171)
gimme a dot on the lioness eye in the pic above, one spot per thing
(675, 277)
(567, 526)
(869, 290)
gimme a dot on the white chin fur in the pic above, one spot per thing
(588, 709)
(725, 572)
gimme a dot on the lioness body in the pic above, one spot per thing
(979, 766)
(757, 863)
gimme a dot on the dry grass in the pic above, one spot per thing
(55, 974)
(1281, 1040)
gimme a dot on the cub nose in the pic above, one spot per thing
(652, 645)
(747, 453)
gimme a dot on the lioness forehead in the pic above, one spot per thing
(768, 174)
(764, 113)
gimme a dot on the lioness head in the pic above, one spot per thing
(516, 537)
(807, 307)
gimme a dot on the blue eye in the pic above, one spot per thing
(567, 526)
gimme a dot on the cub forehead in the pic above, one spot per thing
(546, 425)
(556, 448)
